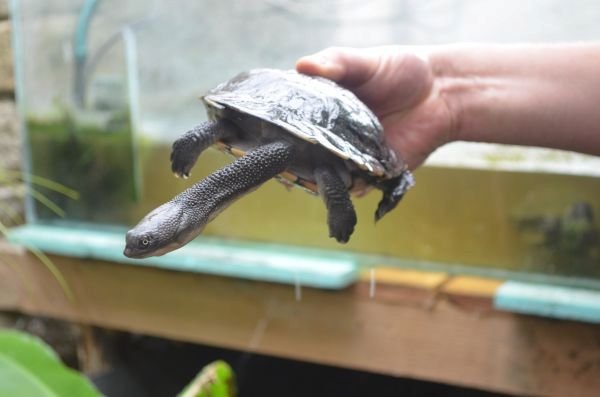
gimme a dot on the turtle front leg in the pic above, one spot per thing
(341, 216)
(188, 147)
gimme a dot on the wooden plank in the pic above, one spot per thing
(12, 280)
(471, 291)
(549, 300)
(405, 286)
(446, 343)
(406, 277)
(223, 257)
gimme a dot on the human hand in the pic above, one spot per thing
(399, 86)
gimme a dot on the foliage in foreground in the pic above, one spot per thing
(215, 380)
(29, 367)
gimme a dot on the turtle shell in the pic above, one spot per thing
(314, 109)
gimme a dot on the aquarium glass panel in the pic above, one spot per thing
(105, 86)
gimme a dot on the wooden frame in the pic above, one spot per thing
(442, 329)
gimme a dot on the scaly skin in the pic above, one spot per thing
(180, 220)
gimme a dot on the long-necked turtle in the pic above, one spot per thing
(305, 130)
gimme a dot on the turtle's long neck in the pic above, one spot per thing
(178, 221)
(210, 196)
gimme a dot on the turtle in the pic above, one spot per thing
(306, 131)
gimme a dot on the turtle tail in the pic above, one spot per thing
(393, 191)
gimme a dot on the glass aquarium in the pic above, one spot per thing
(105, 86)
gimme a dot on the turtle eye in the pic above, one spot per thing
(145, 242)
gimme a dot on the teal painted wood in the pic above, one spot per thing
(291, 265)
(549, 301)
(275, 263)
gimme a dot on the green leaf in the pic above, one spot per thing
(215, 380)
(29, 368)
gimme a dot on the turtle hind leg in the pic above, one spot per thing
(341, 216)
(187, 148)
(393, 191)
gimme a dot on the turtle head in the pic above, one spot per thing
(163, 230)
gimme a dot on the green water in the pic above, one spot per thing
(460, 216)
(94, 161)
(454, 216)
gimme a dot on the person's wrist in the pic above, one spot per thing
(449, 87)
(461, 90)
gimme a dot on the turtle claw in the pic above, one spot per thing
(181, 176)
(341, 238)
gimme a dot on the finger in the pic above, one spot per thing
(321, 64)
(348, 66)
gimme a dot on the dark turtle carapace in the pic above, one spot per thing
(306, 131)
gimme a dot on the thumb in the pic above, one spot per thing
(348, 66)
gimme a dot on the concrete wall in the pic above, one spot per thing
(3, 9)
(9, 140)
(10, 153)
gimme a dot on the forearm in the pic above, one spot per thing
(538, 95)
